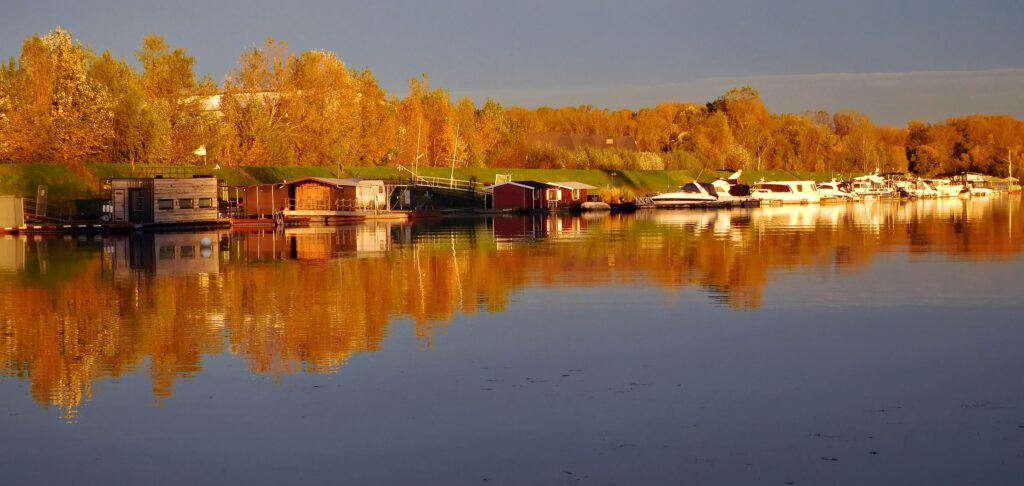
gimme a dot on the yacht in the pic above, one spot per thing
(837, 191)
(786, 192)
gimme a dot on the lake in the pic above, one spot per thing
(869, 343)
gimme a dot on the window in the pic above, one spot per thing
(167, 252)
(187, 251)
(554, 195)
(165, 204)
(185, 204)
(206, 202)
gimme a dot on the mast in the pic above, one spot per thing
(455, 149)
(416, 160)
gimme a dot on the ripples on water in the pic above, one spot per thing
(77, 310)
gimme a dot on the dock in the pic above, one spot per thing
(729, 203)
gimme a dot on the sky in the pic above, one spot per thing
(894, 60)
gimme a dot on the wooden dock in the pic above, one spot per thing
(730, 203)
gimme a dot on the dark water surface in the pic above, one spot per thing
(874, 343)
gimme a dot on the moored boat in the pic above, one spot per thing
(693, 193)
(786, 192)
(836, 191)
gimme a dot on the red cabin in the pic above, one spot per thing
(522, 195)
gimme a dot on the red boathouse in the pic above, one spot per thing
(522, 195)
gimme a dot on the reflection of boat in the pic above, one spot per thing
(836, 190)
(786, 192)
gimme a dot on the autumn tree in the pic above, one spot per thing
(171, 89)
(140, 131)
(50, 109)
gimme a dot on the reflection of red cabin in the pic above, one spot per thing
(519, 227)
(524, 195)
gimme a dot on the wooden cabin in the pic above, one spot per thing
(315, 194)
(156, 200)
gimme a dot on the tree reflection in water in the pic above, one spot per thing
(75, 310)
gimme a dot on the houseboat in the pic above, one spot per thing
(164, 201)
(319, 200)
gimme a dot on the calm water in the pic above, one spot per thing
(875, 343)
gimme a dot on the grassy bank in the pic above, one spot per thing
(65, 184)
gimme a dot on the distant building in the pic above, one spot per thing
(157, 200)
(573, 141)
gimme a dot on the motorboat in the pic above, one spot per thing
(945, 187)
(837, 191)
(689, 194)
(730, 188)
(786, 192)
(871, 185)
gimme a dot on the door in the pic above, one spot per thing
(118, 210)
(136, 206)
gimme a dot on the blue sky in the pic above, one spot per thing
(614, 54)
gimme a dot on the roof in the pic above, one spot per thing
(579, 140)
(524, 184)
(572, 185)
(331, 181)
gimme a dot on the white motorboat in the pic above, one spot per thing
(786, 192)
(731, 189)
(871, 185)
(836, 190)
(945, 187)
(687, 195)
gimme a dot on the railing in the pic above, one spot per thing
(41, 214)
(441, 182)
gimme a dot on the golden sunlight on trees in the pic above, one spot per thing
(61, 103)
(49, 108)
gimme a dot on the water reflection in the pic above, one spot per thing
(75, 310)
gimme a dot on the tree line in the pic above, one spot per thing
(61, 102)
